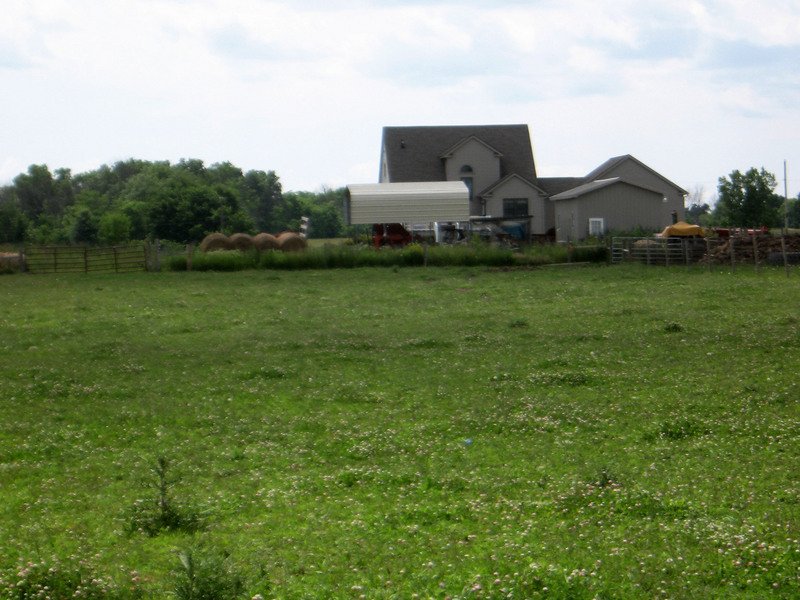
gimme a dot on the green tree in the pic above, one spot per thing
(115, 228)
(695, 212)
(261, 195)
(748, 200)
(793, 212)
(13, 223)
(33, 189)
(85, 227)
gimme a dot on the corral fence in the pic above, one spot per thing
(76, 259)
(753, 250)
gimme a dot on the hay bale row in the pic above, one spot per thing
(289, 241)
(215, 241)
(285, 242)
(266, 241)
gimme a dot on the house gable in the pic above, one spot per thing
(420, 153)
(505, 199)
(474, 162)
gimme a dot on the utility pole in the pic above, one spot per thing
(785, 199)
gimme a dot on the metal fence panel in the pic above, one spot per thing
(72, 259)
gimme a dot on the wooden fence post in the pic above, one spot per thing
(783, 251)
(188, 257)
(755, 250)
(708, 254)
(157, 256)
(685, 244)
(733, 254)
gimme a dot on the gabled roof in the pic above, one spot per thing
(497, 184)
(556, 185)
(415, 153)
(451, 151)
(612, 163)
(586, 188)
(598, 184)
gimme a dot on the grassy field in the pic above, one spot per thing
(605, 432)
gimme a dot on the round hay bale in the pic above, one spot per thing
(291, 242)
(215, 241)
(241, 241)
(266, 241)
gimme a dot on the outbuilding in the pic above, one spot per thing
(407, 202)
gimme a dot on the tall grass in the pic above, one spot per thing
(348, 256)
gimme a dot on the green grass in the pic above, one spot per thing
(454, 432)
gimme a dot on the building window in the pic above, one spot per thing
(466, 177)
(597, 227)
(515, 207)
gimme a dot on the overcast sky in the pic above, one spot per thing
(692, 88)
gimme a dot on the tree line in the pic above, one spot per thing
(745, 200)
(138, 200)
(185, 201)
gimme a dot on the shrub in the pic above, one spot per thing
(162, 512)
(57, 580)
(206, 576)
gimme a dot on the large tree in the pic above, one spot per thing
(749, 200)
(262, 195)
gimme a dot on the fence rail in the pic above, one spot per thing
(753, 250)
(69, 259)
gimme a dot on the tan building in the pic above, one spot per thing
(496, 164)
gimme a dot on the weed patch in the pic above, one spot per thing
(161, 512)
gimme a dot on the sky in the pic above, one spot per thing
(695, 89)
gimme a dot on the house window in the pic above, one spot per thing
(466, 177)
(515, 207)
(597, 227)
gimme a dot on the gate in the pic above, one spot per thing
(71, 259)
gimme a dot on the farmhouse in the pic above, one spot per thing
(495, 163)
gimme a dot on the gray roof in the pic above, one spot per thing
(556, 185)
(585, 189)
(415, 153)
(597, 184)
(611, 163)
(500, 182)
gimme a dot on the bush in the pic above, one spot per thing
(57, 580)
(162, 512)
(206, 576)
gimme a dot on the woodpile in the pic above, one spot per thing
(743, 248)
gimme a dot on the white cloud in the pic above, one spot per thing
(305, 87)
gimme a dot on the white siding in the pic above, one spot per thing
(428, 202)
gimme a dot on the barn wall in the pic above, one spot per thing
(623, 207)
(633, 172)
